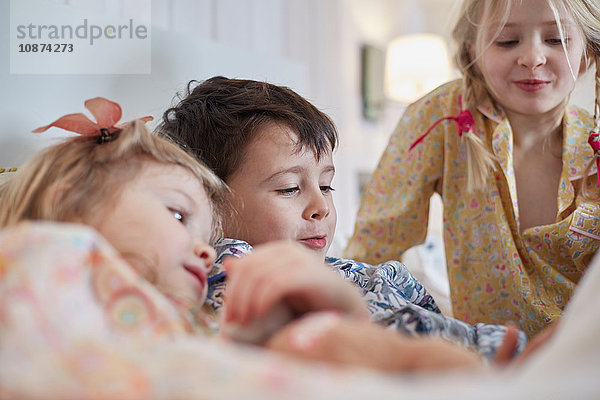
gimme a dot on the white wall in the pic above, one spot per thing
(313, 46)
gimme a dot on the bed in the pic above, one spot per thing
(77, 323)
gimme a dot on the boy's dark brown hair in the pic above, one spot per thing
(218, 118)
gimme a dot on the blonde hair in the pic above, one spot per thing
(72, 180)
(587, 15)
(469, 39)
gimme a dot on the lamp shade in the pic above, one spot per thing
(415, 64)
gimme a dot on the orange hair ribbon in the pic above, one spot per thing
(107, 114)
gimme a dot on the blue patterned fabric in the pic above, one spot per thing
(388, 285)
(393, 296)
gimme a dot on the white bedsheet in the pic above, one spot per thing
(60, 343)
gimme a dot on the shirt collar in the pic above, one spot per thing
(576, 128)
(491, 110)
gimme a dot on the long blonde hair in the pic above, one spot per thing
(587, 15)
(75, 178)
(469, 39)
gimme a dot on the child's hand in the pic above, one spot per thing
(285, 272)
(505, 353)
(331, 337)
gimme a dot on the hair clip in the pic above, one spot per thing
(107, 113)
(104, 136)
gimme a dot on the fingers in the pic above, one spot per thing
(257, 281)
(285, 272)
(307, 289)
(299, 290)
(244, 282)
(304, 335)
(506, 351)
(438, 355)
(259, 330)
(538, 341)
(347, 341)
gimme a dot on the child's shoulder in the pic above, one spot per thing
(444, 101)
(55, 237)
(441, 101)
(447, 93)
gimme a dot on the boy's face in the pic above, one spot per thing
(282, 194)
(161, 225)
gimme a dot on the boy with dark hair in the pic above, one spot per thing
(274, 150)
(229, 113)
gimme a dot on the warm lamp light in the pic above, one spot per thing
(415, 64)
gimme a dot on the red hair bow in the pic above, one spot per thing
(107, 113)
(464, 123)
(594, 141)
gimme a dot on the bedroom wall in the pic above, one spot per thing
(313, 46)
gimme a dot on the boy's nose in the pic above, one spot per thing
(318, 208)
(532, 56)
(205, 252)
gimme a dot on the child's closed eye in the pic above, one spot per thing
(326, 189)
(557, 41)
(288, 191)
(507, 43)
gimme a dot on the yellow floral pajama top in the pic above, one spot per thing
(497, 274)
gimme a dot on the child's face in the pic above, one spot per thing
(161, 224)
(280, 193)
(525, 67)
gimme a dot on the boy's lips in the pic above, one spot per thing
(531, 85)
(315, 242)
(199, 273)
